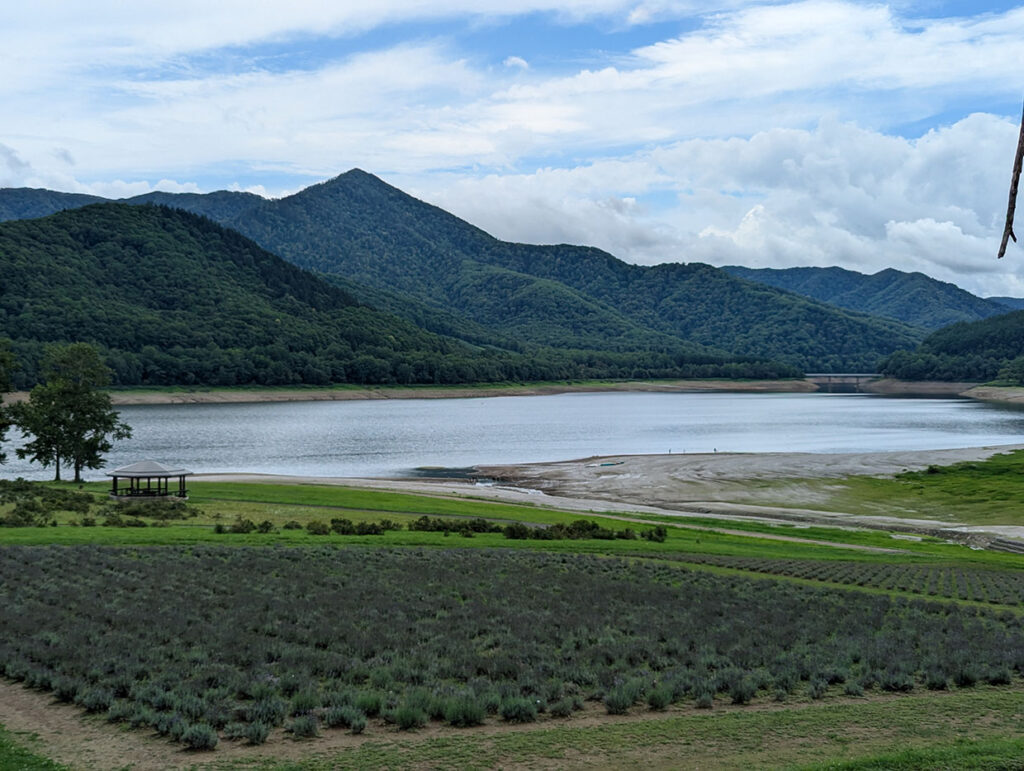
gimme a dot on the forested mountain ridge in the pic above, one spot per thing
(978, 351)
(24, 203)
(174, 298)
(360, 232)
(358, 226)
(912, 298)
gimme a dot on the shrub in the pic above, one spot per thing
(270, 710)
(241, 525)
(657, 534)
(407, 717)
(464, 710)
(95, 699)
(518, 710)
(660, 696)
(565, 706)
(257, 733)
(345, 716)
(291, 524)
(199, 737)
(343, 526)
(266, 526)
(369, 703)
(817, 688)
(316, 527)
(303, 727)
(619, 699)
(304, 702)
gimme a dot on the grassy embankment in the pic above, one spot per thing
(960, 728)
(974, 493)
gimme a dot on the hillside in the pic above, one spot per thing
(418, 261)
(359, 227)
(978, 351)
(173, 298)
(912, 298)
(1010, 303)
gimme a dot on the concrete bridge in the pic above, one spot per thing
(841, 382)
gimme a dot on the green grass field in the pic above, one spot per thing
(955, 728)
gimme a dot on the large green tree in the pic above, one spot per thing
(6, 365)
(67, 418)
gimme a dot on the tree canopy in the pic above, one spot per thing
(68, 419)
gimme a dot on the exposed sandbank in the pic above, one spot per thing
(695, 485)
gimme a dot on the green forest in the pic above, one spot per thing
(980, 351)
(557, 305)
(171, 298)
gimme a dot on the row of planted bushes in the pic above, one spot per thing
(999, 587)
(576, 530)
(209, 643)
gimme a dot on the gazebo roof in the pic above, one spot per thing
(148, 468)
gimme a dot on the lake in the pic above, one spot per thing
(393, 437)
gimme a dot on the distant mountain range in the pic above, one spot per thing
(393, 252)
(912, 298)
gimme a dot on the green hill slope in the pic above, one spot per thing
(357, 226)
(913, 298)
(977, 351)
(173, 298)
(418, 261)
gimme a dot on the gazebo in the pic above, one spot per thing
(148, 479)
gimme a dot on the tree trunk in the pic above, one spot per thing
(56, 477)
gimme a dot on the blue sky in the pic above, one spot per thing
(771, 134)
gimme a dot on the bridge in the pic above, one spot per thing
(841, 381)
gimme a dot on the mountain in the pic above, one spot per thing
(174, 298)
(912, 298)
(358, 227)
(23, 203)
(1010, 303)
(977, 351)
(394, 251)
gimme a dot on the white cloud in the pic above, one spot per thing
(834, 195)
(767, 134)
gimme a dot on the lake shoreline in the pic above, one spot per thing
(881, 387)
(348, 393)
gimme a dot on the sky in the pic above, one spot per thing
(733, 132)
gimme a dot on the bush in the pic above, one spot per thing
(266, 526)
(316, 527)
(199, 737)
(369, 703)
(660, 696)
(565, 706)
(657, 535)
(257, 733)
(291, 524)
(345, 716)
(518, 710)
(304, 727)
(95, 699)
(464, 710)
(407, 717)
(619, 699)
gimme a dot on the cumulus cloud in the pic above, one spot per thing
(764, 133)
(837, 194)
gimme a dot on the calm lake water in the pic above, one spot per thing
(394, 437)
